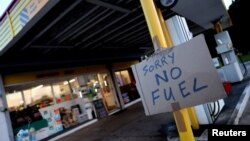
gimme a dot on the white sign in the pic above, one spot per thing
(35, 6)
(183, 76)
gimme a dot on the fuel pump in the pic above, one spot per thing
(233, 70)
(179, 32)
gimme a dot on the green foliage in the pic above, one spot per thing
(245, 57)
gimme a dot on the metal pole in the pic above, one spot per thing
(154, 24)
(24, 101)
(164, 28)
(193, 118)
(6, 112)
(218, 27)
(156, 30)
(191, 111)
(10, 24)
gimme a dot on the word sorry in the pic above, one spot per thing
(159, 63)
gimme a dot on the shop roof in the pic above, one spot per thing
(83, 32)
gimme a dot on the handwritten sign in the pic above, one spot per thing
(183, 75)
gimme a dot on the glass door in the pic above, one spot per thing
(108, 92)
(126, 83)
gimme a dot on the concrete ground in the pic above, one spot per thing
(128, 125)
(234, 101)
(245, 118)
(228, 113)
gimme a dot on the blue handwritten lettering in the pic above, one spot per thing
(195, 87)
(172, 57)
(175, 72)
(151, 68)
(158, 77)
(154, 97)
(157, 64)
(145, 69)
(182, 88)
(163, 60)
(170, 96)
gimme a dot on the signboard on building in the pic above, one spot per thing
(34, 6)
(31, 10)
(179, 77)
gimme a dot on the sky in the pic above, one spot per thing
(5, 3)
(227, 3)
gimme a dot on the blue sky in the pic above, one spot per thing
(3, 5)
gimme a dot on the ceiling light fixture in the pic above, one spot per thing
(37, 87)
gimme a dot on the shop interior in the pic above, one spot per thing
(57, 104)
(126, 83)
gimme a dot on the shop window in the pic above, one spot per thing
(62, 91)
(15, 101)
(42, 96)
(19, 114)
(107, 91)
(74, 84)
(123, 78)
(126, 83)
(28, 97)
(89, 87)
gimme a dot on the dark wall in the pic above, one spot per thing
(239, 30)
(209, 36)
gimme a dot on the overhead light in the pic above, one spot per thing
(105, 83)
(72, 80)
(37, 87)
(65, 83)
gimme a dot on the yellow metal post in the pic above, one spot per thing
(156, 30)
(218, 27)
(164, 28)
(191, 111)
(183, 125)
(10, 24)
(154, 24)
(193, 118)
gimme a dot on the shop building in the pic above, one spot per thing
(53, 101)
(42, 36)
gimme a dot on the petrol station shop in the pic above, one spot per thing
(55, 101)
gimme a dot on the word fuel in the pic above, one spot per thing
(169, 73)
